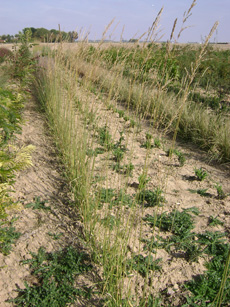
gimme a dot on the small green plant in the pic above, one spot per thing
(157, 143)
(178, 153)
(220, 193)
(105, 138)
(143, 264)
(148, 142)
(121, 113)
(143, 180)
(200, 173)
(55, 236)
(8, 236)
(151, 198)
(132, 123)
(118, 154)
(110, 221)
(55, 274)
(214, 221)
(128, 169)
(38, 204)
(201, 192)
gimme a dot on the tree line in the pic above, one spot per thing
(42, 35)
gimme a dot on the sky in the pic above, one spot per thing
(136, 16)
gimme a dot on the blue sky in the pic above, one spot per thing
(136, 15)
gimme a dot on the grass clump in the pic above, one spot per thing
(55, 273)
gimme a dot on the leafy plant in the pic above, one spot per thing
(157, 143)
(105, 138)
(148, 143)
(8, 236)
(179, 154)
(55, 273)
(38, 204)
(110, 221)
(128, 169)
(55, 236)
(151, 198)
(220, 193)
(201, 192)
(201, 174)
(143, 180)
(143, 264)
(213, 221)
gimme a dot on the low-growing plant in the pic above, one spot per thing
(143, 180)
(38, 204)
(55, 274)
(128, 168)
(132, 123)
(178, 153)
(110, 221)
(214, 221)
(55, 236)
(8, 236)
(157, 143)
(105, 138)
(143, 264)
(200, 173)
(220, 192)
(148, 142)
(151, 198)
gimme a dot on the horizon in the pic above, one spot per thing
(135, 17)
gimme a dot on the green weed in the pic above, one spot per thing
(38, 204)
(214, 221)
(220, 193)
(143, 264)
(55, 274)
(8, 237)
(151, 198)
(105, 138)
(200, 173)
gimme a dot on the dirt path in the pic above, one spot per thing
(38, 227)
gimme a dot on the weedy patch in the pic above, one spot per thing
(220, 193)
(105, 138)
(179, 154)
(115, 198)
(201, 174)
(150, 198)
(201, 192)
(55, 274)
(143, 264)
(38, 204)
(8, 236)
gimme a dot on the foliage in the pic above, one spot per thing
(220, 192)
(151, 198)
(55, 273)
(105, 138)
(8, 236)
(201, 174)
(38, 204)
(143, 264)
